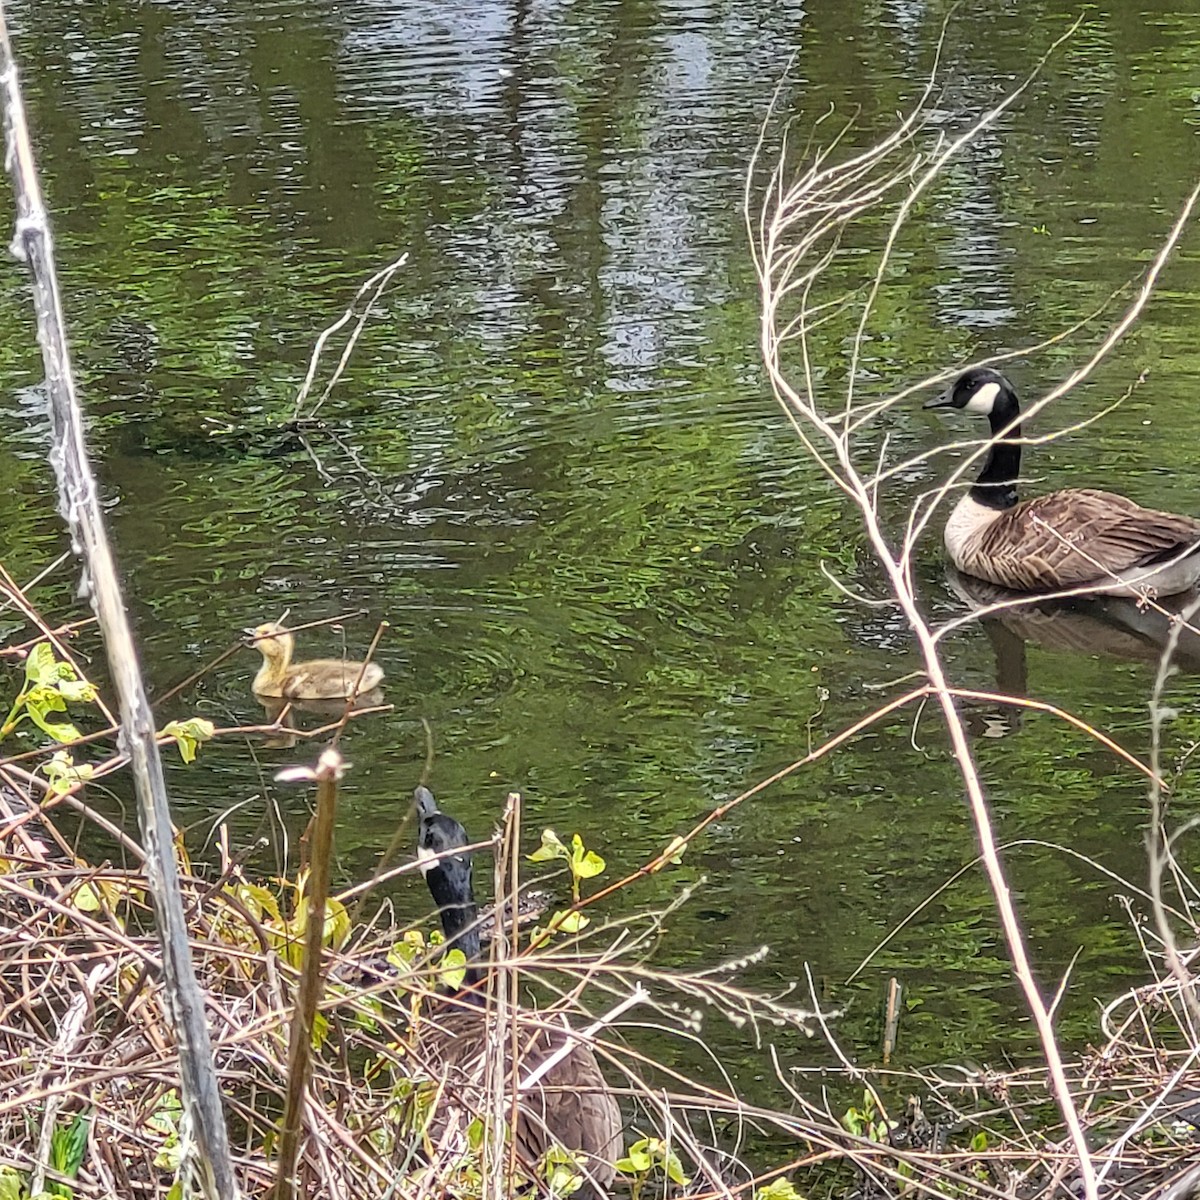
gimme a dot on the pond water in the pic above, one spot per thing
(553, 464)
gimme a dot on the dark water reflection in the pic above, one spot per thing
(556, 471)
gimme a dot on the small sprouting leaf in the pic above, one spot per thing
(979, 1143)
(635, 1163)
(64, 774)
(77, 691)
(68, 1145)
(320, 1029)
(550, 848)
(405, 952)
(584, 864)
(675, 1171)
(164, 1119)
(562, 1171)
(475, 1133)
(12, 1185)
(189, 735)
(43, 701)
(778, 1189)
(452, 970)
(41, 667)
(569, 921)
(337, 923)
(674, 855)
(259, 900)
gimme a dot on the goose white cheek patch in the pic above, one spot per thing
(426, 860)
(982, 399)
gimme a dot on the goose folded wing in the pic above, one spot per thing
(1079, 536)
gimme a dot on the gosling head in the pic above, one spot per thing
(980, 390)
(271, 640)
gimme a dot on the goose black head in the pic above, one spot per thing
(980, 390)
(448, 875)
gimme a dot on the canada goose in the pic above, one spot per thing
(317, 679)
(1074, 538)
(570, 1106)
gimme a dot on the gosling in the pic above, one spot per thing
(317, 679)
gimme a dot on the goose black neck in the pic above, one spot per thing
(996, 486)
(450, 885)
(459, 924)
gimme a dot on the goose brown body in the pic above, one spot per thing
(570, 1105)
(315, 679)
(1076, 538)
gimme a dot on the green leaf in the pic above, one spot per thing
(77, 691)
(337, 923)
(550, 848)
(12, 1185)
(452, 970)
(569, 921)
(674, 855)
(68, 1145)
(585, 865)
(475, 1135)
(189, 735)
(64, 774)
(637, 1162)
(320, 1029)
(561, 1171)
(675, 1171)
(979, 1143)
(41, 667)
(406, 951)
(43, 701)
(778, 1189)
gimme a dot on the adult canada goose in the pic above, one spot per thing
(317, 679)
(1074, 538)
(571, 1105)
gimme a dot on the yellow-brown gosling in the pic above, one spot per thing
(316, 679)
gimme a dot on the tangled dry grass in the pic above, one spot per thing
(88, 1055)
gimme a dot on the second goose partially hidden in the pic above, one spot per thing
(570, 1106)
(1074, 538)
(316, 679)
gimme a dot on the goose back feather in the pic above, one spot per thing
(1076, 537)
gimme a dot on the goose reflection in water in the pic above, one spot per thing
(1099, 626)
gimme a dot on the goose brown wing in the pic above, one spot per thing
(1079, 536)
(570, 1106)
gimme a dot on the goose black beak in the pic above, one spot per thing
(943, 401)
(426, 804)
